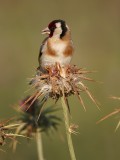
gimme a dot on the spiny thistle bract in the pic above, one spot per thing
(31, 118)
(60, 81)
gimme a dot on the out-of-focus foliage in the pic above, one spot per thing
(33, 117)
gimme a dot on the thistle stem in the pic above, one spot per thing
(67, 125)
(39, 145)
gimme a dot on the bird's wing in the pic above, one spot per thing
(41, 48)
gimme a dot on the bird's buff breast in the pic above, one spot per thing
(49, 60)
(55, 52)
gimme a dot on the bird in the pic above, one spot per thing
(57, 47)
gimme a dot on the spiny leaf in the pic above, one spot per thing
(109, 115)
(116, 98)
(118, 125)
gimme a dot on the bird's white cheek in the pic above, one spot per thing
(57, 32)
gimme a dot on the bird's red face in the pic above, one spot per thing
(56, 27)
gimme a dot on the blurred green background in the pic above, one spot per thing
(95, 29)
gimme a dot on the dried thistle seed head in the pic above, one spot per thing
(56, 79)
(59, 80)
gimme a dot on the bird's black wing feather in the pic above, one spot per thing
(41, 47)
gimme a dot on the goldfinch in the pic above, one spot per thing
(58, 46)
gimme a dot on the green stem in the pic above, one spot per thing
(67, 125)
(39, 145)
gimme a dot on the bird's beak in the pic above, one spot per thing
(46, 31)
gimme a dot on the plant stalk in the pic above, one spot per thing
(67, 125)
(39, 145)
